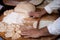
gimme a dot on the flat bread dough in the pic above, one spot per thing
(36, 2)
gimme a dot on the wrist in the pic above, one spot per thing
(44, 32)
(43, 12)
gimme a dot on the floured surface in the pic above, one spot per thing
(14, 18)
(17, 20)
(14, 30)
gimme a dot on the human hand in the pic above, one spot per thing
(38, 13)
(34, 33)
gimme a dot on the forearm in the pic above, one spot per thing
(45, 32)
(52, 29)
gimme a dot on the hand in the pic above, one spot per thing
(34, 33)
(37, 14)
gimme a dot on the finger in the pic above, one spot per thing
(24, 33)
(26, 36)
(37, 15)
(31, 15)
